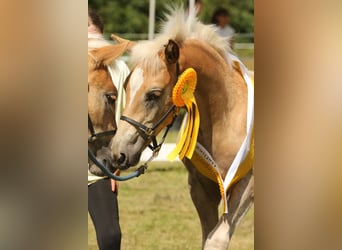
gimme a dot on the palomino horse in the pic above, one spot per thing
(222, 98)
(102, 95)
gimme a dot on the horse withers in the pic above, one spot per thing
(225, 118)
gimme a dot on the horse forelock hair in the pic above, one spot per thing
(178, 26)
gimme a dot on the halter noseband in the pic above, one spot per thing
(94, 136)
(149, 133)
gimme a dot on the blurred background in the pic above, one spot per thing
(131, 17)
(130, 20)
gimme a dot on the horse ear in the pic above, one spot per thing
(129, 43)
(107, 54)
(172, 52)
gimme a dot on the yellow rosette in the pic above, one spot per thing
(183, 95)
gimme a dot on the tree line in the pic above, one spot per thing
(131, 16)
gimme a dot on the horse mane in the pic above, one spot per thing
(178, 26)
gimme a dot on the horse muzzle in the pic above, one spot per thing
(103, 156)
(125, 160)
(126, 150)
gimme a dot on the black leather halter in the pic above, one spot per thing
(149, 133)
(94, 135)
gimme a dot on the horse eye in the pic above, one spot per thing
(110, 98)
(153, 95)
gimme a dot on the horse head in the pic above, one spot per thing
(102, 95)
(148, 103)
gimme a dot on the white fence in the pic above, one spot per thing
(144, 36)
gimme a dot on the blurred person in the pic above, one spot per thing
(103, 191)
(221, 19)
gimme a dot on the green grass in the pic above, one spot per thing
(247, 57)
(170, 138)
(156, 212)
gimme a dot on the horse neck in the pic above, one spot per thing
(221, 95)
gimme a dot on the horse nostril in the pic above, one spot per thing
(104, 161)
(122, 158)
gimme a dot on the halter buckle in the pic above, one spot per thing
(156, 151)
(149, 132)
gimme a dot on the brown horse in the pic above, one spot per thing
(102, 95)
(222, 99)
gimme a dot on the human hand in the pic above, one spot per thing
(114, 183)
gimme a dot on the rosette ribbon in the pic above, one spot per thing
(183, 96)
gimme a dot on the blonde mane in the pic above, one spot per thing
(179, 27)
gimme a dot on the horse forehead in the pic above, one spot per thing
(142, 79)
(100, 78)
(136, 82)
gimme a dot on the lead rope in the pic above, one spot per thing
(136, 173)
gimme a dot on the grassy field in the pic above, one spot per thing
(247, 57)
(156, 212)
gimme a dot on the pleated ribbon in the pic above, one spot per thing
(183, 95)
